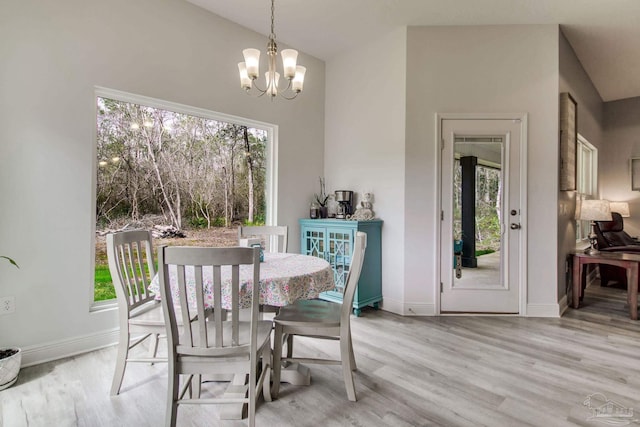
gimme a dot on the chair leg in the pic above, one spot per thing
(252, 395)
(153, 345)
(289, 345)
(172, 396)
(277, 360)
(345, 357)
(266, 368)
(121, 360)
(352, 357)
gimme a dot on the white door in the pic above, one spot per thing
(480, 213)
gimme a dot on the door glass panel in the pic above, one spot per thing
(314, 243)
(478, 212)
(340, 257)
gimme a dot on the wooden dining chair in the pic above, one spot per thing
(265, 233)
(130, 257)
(324, 320)
(223, 344)
(274, 239)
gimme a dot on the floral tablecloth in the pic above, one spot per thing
(284, 278)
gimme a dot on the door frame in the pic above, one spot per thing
(523, 118)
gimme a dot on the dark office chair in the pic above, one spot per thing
(611, 234)
(611, 237)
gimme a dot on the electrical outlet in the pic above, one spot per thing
(7, 305)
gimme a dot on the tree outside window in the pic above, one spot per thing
(157, 167)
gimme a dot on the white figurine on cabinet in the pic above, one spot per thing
(364, 212)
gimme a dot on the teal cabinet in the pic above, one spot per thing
(332, 240)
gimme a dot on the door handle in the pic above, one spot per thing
(515, 226)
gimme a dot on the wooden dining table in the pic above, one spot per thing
(284, 279)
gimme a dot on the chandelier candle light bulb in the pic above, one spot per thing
(289, 58)
(272, 83)
(252, 62)
(250, 69)
(298, 80)
(245, 81)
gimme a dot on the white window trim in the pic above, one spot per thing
(594, 181)
(271, 179)
(594, 161)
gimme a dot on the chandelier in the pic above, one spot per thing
(249, 69)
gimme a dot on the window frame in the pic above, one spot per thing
(271, 178)
(582, 180)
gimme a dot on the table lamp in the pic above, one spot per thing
(621, 207)
(593, 210)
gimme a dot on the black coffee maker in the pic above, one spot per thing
(345, 203)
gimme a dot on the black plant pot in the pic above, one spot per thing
(323, 211)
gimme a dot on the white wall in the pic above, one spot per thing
(380, 105)
(482, 69)
(53, 55)
(364, 142)
(574, 79)
(620, 144)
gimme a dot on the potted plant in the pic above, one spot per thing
(10, 358)
(322, 200)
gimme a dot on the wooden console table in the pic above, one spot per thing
(628, 261)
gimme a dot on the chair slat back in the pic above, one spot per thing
(357, 259)
(130, 256)
(276, 244)
(230, 336)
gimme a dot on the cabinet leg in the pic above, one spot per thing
(376, 305)
(356, 312)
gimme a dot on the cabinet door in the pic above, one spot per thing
(314, 242)
(339, 248)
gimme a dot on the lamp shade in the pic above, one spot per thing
(621, 207)
(289, 58)
(252, 62)
(298, 80)
(245, 81)
(272, 83)
(594, 210)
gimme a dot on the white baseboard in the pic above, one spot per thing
(533, 310)
(543, 310)
(390, 305)
(68, 347)
(404, 309)
(419, 310)
(563, 304)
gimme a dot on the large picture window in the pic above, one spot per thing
(181, 172)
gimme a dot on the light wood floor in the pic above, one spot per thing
(413, 371)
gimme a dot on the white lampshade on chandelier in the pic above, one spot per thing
(250, 69)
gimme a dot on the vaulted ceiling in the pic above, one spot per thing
(605, 34)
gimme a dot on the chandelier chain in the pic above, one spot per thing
(273, 34)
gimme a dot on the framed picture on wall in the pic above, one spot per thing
(568, 141)
(635, 173)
